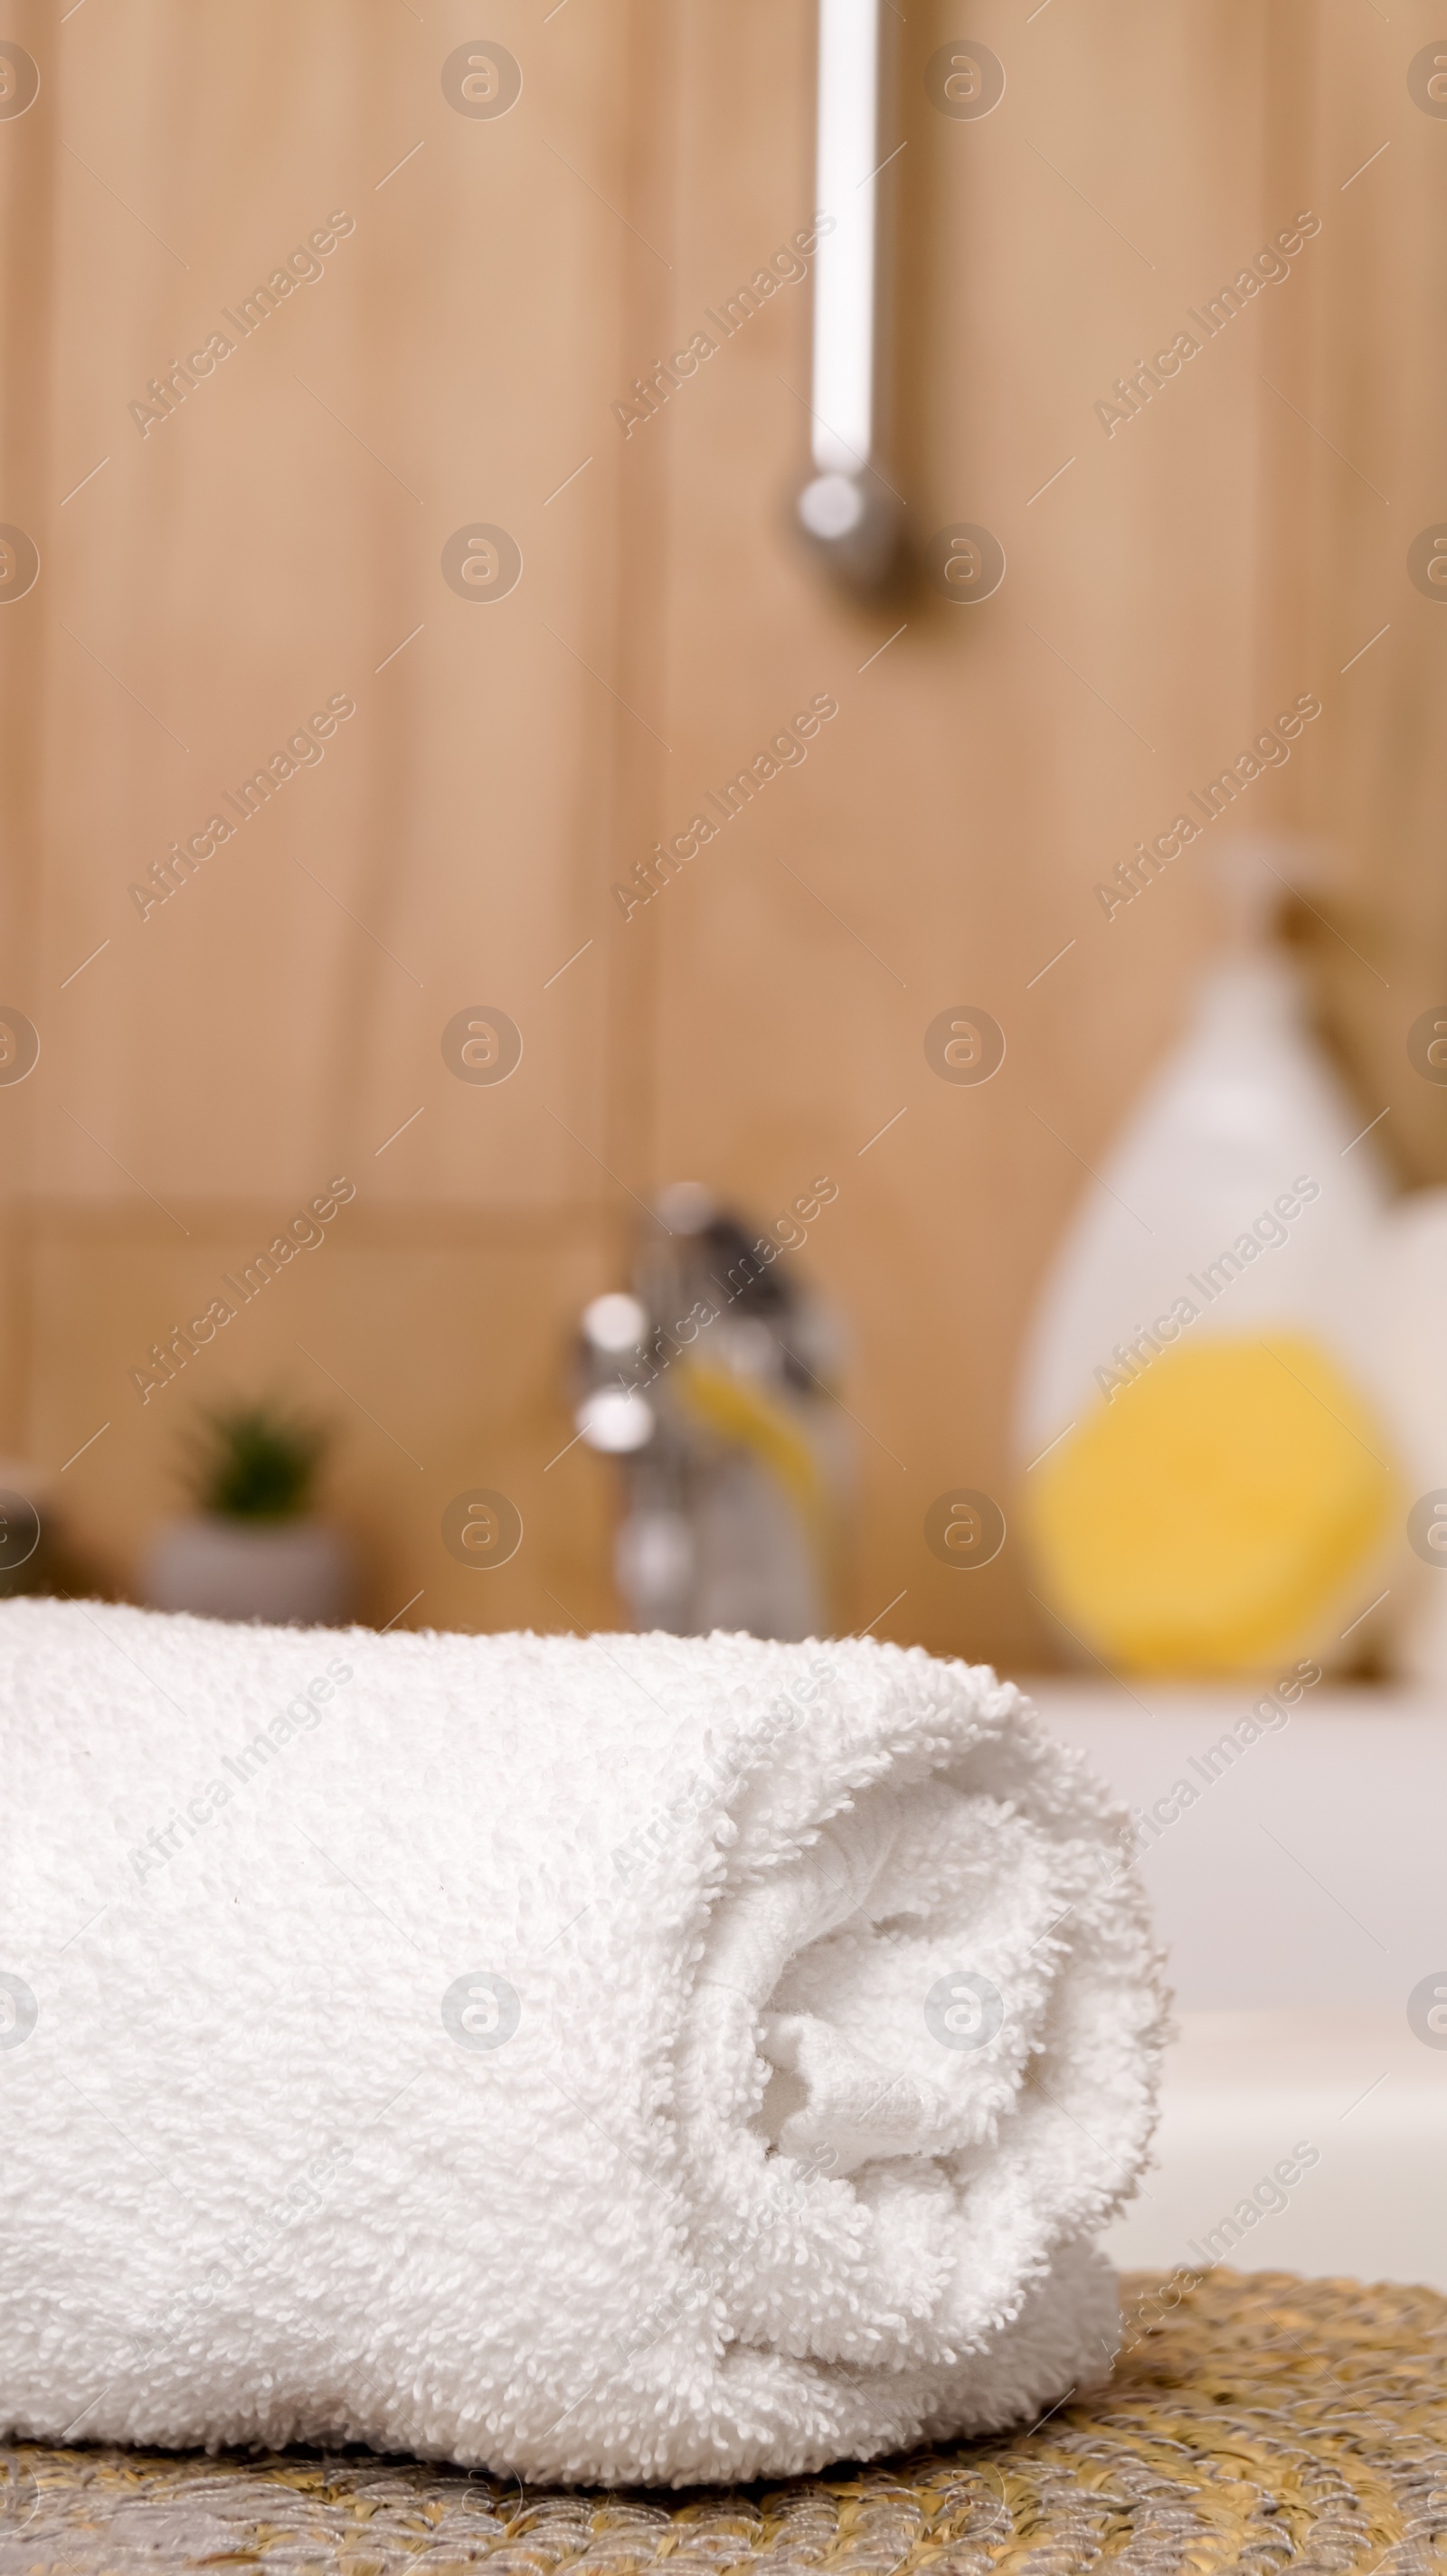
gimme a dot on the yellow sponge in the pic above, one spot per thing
(1211, 1516)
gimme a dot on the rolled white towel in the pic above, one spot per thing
(603, 2059)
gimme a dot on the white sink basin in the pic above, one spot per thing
(1300, 1899)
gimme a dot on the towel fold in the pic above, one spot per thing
(619, 2059)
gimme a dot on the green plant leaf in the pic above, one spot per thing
(254, 1462)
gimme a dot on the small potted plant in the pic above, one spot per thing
(250, 1549)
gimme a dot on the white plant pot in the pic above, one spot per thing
(288, 1573)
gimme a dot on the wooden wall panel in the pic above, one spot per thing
(27, 262)
(1356, 474)
(273, 543)
(432, 1350)
(762, 1020)
(942, 842)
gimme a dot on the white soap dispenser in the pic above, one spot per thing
(1205, 1477)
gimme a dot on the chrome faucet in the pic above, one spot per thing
(709, 1380)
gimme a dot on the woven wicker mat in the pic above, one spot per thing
(1266, 2423)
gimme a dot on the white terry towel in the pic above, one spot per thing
(620, 2059)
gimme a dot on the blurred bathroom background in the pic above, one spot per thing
(446, 420)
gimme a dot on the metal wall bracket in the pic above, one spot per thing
(846, 510)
